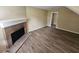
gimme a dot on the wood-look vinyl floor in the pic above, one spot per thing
(50, 40)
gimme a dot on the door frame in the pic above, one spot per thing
(55, 19)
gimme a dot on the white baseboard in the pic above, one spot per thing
(57, 28)
(35, 29)
(67, 30)
(49, 25)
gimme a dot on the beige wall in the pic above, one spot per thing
(37, 18)
(2, 41)
(49, 18)
(67, 20)
(12, 12)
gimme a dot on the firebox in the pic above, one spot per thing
(17, 34)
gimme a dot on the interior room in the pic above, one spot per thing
(39, 29)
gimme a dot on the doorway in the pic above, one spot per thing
(54, 16)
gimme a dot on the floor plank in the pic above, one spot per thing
(50, 40)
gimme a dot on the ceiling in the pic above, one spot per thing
(73, 8)
(47, 7)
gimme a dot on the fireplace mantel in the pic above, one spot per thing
(11, 22)
(6, 28)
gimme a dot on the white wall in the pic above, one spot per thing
(37, 18)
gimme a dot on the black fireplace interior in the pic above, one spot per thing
(17, 34)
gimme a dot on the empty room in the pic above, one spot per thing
(39, 29)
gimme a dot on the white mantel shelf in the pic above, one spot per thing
(11, 22)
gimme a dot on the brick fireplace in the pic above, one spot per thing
(12, 30)
(17, 34)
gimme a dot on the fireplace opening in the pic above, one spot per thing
(17, 34)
